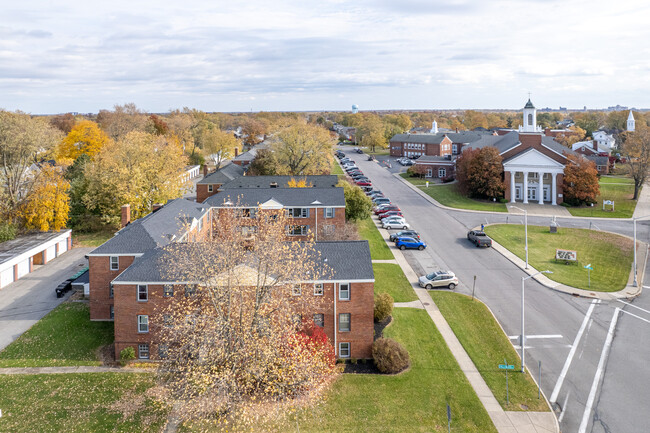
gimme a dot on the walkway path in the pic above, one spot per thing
(643, 203)
(70, 370)
(505, 422)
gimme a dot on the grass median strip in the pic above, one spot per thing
(448, 195)
(91, 402)
(65, 336)
(609, 254)
(414, 401)
(487, 346)
(389, 278)
(378, 248)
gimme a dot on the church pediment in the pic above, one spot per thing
(531, 158)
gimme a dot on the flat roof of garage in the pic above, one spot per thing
(22, 244)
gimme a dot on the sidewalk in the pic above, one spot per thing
(643, 202)
(505, 422)
(69, 370)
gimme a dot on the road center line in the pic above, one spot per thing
(634, 306)
(572, 352)
(599, 372)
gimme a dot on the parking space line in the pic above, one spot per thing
(634, 315)
(572, 352)
(599, 371)
(634, 306)
(533, 337)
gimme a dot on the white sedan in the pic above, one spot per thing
(395, 223)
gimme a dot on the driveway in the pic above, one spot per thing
(573, 338)
(27, 300)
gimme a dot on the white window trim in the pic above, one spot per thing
(296, 290)
(349, 315)
(318, 287)
(329, 212)
(210, 188)
(140, 351)
(167, 287)
(348, 291)
(140, 331)
(349, 350)
(146, 292)
(117, 263)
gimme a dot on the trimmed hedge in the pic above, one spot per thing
(390, 356)
(383, 306)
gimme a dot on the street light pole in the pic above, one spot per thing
(634, 247)
(525, 230)
(522, 338)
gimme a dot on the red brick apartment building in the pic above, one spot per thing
(125, 286)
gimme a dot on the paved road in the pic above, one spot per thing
(553, 320)
(27, 300)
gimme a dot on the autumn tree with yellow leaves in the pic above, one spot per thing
(47, 207)
(139, 169)
(302, 149)
(85, 138)
(239, 346)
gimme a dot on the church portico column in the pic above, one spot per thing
(512, 186)
(554, 188)
(525, 191)
(540, 190)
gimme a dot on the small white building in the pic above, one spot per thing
(604, 139)
(630, 122)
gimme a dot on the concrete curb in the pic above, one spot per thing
(436, 203)
(628, 292)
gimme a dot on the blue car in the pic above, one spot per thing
(408, 242)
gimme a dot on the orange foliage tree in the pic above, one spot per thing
(480, 173)
(580, 181)
(47, 207)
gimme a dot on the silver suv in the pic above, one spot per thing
(439, 279)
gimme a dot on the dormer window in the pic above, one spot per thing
(273, 184)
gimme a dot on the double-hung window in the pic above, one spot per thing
(143, 323)
(210, 188)
(298, 212)
(344, 291)
(344, 322)
(318, 289)
(143, 293)
(143, 351)
(168, 290)
(329, 212)
(115, 263)
(190, 290)
(297, 230)
(319, 319)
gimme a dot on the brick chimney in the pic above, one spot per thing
(595, 145)
(236, 151)
(126, 214)
(205, 170)
(157, 206)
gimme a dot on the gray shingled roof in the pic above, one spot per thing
(225, 174)
(599, 160)
(529, 104)
(288, 197)
(317, 181)
(345, 260)
(418, 138)
(433, 158)
(154, 230)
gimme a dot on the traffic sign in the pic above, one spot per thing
(506, 367)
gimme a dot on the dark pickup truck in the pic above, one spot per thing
(479, 238)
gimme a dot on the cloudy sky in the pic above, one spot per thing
(323, 55)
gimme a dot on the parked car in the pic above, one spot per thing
(345, 160)
(349, 168)
(408, 162)
(374, 192)
(390, 214)
(439, 279)
(358, 150)
(356, 175)
(410, 233)
(366, 188)
(387, 208)
(395, 222)
(479, 238)
(363, 183)
(406, 242)
(381, 200)
(381, 207)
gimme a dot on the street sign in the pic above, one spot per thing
(589, 267)
(506, 367)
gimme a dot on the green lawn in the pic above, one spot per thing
(448, 195)
(618, 189)
(378, 248)
(93, 239)
(487, 345)
(93, 402)
(390, 279)
(414, 401)
(65, 336)
(336, 168)
(610, 255)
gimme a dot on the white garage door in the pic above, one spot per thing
(7, 277)
(63, 247)
(51, 252)
(23, 268)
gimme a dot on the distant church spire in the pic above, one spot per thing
(630, 122)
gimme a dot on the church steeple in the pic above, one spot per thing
(530, 118)
(630, 122)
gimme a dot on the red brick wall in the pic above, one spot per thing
(100, 276)
(202, 191)
(360, 306)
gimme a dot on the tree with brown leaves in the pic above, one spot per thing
(480, 173)
(240, 347)
(580, 181)
(636, 147)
